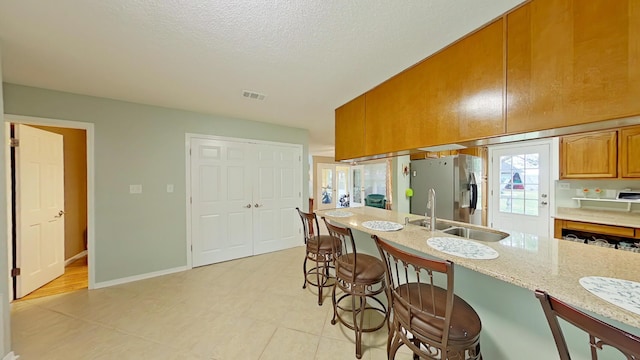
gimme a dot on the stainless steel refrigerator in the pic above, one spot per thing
(456, 180)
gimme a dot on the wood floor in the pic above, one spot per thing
(75, 277)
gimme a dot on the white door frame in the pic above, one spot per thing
(554, 172)
(188, 137)
(89, 128)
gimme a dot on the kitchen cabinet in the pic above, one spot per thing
(454, 95)
(629, 152)
(604, 154)
(572, 62)
(350, 129)
(589, 155)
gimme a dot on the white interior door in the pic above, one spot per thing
(326, 186)
(357, 184)
(39, 208)
(277, 192)
(221, 195)
(519, 182)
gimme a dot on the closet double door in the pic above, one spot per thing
(243, 198)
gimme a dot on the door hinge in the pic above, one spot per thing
(299, 194)
(190, 200)
(15, 142)
(189, 151)
(15, 272)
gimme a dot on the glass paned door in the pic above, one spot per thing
(357, 181)
(519, 178)
(343, 186)
(326, 186)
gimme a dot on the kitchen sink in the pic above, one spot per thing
(476, 234)
(459, 229)
(440, 224)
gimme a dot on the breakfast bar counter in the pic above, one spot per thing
(501, 289)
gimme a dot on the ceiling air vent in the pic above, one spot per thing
(253, 95)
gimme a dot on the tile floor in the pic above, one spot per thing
(252, 308)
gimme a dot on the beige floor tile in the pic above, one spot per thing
(252, 308)
(287, 344)
(44, 342)
(305, 315)
(232, 337)
(331, 349)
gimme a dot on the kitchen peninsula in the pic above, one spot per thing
(501, 289)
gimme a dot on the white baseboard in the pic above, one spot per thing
(129, 279)
(10, 356)
(75, 257)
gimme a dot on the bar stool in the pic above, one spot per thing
(319, 249)
(361, 278)
(600, 333)
(430, 320)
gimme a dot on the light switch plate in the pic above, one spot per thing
(135, 189)
(564, 185)
(169, 188)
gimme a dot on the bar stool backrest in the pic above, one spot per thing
(408, 271)
(600, 333)
(309, 224)
(349, 256)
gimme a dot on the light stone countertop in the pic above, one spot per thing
(528, 261)
(616, 218)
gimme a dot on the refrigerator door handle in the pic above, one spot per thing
(474, 198)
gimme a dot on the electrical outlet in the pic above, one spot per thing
(564, 186)
(135, 189)
(169, 188)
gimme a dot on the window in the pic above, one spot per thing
(519, 179)
(375, 179)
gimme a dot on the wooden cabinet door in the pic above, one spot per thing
(455, 95)
(571, 62)
(350, 129)
(590, 155)
(629, 152)
(392, 109)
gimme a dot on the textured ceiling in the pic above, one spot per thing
(307, 56)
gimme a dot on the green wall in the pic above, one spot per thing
(140, 144)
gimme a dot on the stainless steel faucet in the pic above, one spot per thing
(431, 209)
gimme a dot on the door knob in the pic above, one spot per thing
(60, 213)
(248, 206)
(543, 195)
(257, 205)
(544, 203)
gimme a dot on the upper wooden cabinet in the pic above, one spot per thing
(591, 155)
(454, 95)
(604, 154)
(571, 62)
(629, 152)
(350, 129)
